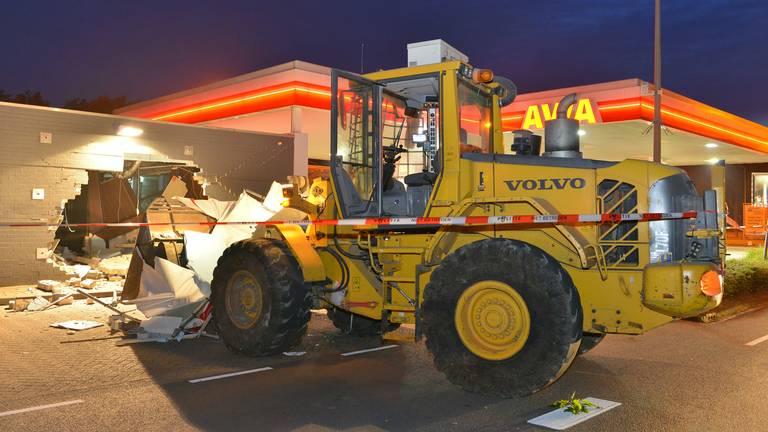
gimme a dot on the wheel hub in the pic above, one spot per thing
(492, 320)
(244, 299)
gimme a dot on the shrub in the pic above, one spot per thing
(749, 274)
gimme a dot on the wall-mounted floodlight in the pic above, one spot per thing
(129, 131)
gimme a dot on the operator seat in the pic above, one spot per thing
(425, 178)
(420, 187)
(347, 191)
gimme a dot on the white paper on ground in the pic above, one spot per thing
(77, 325)
(561, 420)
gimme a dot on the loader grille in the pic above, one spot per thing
(618, 241)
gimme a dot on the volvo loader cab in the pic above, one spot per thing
(389, 133)
(504, 308)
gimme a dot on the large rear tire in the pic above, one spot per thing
(260, 302)
(501, 317)
(589, 341)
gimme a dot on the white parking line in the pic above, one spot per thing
(369, 350)
(233, 374)
(757, 341)
(40, 407)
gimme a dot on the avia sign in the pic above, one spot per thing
(536, 115)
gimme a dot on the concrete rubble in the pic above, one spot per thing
(172, 302)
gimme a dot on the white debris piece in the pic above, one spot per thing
(203, 252)
(246, 209)
(274, 199)
(210, 207)
(37, 304)
(81, 270)
(167, 286)
(161, 327)
(77, 325)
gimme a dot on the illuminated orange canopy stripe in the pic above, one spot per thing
(634, 109)
(318, 96)
(248, 102)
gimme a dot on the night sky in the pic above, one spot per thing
(715, 51)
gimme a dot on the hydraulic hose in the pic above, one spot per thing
(345, 273)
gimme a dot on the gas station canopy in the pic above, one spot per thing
(615, 116)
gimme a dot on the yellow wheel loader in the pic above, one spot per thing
(504, 309)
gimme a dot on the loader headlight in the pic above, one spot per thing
(287, 194)
(711, 283)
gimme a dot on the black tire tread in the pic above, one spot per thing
(589, 341)
(515, 262)
(290, 304)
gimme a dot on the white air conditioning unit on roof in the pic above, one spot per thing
(433, 51)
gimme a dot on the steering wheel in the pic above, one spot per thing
(392, 152)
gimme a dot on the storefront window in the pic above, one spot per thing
(475, 119)
(760, 189)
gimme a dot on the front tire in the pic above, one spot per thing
(260, 302)
(501, 317)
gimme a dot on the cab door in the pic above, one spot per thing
(356, 144)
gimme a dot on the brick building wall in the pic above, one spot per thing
(53, 150)
(18, 246)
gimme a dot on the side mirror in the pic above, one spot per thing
(507, 90)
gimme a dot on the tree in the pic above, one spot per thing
(101, 104)
(30, 98)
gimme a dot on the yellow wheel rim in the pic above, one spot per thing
(492, 320)
(244, 299)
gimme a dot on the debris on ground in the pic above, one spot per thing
(38, 303)
(159, 327)
(18, 305)
(47, 285)
(115, 266)
(168, 273)
(77, 325)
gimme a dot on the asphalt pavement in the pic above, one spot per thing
(685, 376)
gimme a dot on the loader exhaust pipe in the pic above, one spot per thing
(561, 135)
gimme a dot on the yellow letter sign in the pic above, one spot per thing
(533, 115)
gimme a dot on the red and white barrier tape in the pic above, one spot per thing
(554, 219)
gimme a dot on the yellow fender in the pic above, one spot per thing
(309, 260)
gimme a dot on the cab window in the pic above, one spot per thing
(475, 119)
